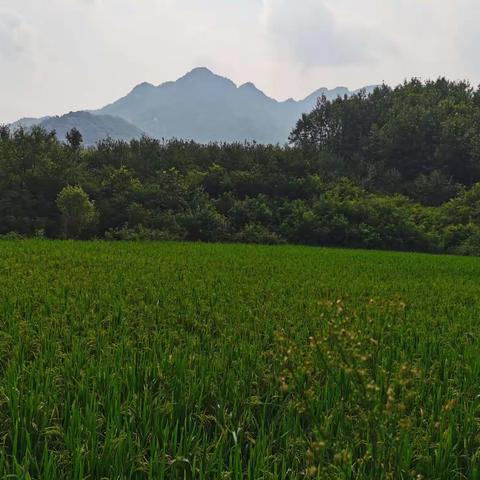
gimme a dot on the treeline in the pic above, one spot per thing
(397, 169)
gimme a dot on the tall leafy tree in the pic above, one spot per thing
(78, 212)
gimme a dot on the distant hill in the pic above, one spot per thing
(93, 127)
(27, 122)
(200, 106)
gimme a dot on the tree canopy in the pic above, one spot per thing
(397, 169)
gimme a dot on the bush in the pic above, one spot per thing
(463, 239)
(137, 234)
(255, 233)
(11, 236)
(78, 212)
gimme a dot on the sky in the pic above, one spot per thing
(62, 55)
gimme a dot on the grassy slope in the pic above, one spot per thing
(210, 361)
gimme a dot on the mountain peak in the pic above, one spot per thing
(143, 86)
(252, 91)
(202, 77)
(141, 89)
(199, 72)
(249, 85)
(330, 94)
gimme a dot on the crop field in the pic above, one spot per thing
(197, 361)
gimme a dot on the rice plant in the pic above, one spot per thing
(196, 361)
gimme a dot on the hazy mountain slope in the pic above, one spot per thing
(206, 107)
(92, 127)
(27, 122)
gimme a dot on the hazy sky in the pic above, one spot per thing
(62, 55)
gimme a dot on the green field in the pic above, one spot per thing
(196, 361)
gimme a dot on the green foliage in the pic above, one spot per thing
(255, 233)
(415, 129)
(471, 244)
(78, 212)
(397, 169)
(74, 139)
(11, 236)
(433, 189)
(202, 221)
(193, 361)
(137, 234)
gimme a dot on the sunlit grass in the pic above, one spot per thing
(181, 361)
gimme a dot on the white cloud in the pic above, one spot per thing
(313, 35)
(18, 62)
(15, 37)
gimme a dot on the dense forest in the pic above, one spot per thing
(396, 169)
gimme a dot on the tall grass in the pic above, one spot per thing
(183, 361)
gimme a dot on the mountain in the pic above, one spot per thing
(92, 127)
(206, 107)
(200, 106)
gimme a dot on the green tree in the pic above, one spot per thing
(78, 212)
(74, 139)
